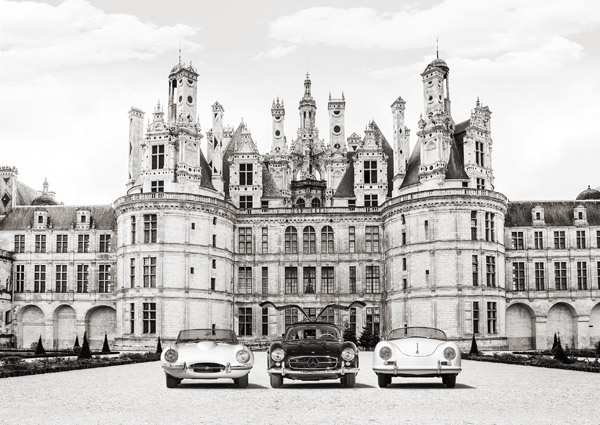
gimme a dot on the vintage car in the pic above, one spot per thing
(207, 354)
(415, 351)
(312, 351)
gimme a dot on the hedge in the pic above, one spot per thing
(536, 360)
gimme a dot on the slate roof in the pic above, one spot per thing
(227, 153)
(346, 187)
(25, 194)
(556, 213)
(61, 217)
(412, 168)
(269, 185)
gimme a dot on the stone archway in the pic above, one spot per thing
(32, 326)
(65, 327)
(595, 325)
(561, 320)
(98, 321)
(520, 327)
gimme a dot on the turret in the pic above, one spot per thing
(217, 146)
(183, 83)
(337, 132)
(401, 142)
(308, 107)
(278, 113)
(136, 136)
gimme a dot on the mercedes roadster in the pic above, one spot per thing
(414, 351)
(207, 354)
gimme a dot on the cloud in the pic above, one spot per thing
(40, 37)
(276, 52)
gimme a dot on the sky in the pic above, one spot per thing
(71, 70)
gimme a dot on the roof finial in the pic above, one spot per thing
(179, 52)
(437, 48)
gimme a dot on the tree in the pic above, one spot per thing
(374, 340)
(105, 347)
(159, 348)
(560, 354)
(39, 349)
(85, 352)
(474, 349)
(76, 346)
(350, 334)
(365, 338)
(555, 344)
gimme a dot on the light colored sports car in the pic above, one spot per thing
(207, 354)
(414, 351)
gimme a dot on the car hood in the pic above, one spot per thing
(417, 347)
(206, 348)
(312, 347)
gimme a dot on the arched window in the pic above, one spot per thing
(315, 203)
(309, 240)
(291, 240)
(327, 239)
(300, 203)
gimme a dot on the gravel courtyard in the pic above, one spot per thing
(485, 393)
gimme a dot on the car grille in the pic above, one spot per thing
(207, 367)
(313, 362)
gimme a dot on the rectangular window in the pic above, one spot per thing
(373, 319)
(245, 240)
(518, 276)
(371, 201)
(559, 240)
(480, 183)
(476, 317)
(352, 278)
(83, 243)
(133, 229)
(214, 240)
(426, 229)
(371, 239)
(372, 280)
(291, 240)
(327, 316)
(213, 283)
(149, 318)
(20, 278)
(404, 265)
(104, 278)
(150, 228)
(246, 175)
(40, 243)
(473, 225)
(490, 271)
(560, 275)
(265, 280)
(291, 317)
(327, 242)
(158, 157)
(19, 243)
(479, 153)
(540, 278)
(309, 275)
(291, 280)
(475, 264)
(246, 202)
(82, 278)
(490, 227)
(105, 243)
(351, 203)
(352, 239)
(517, 240)
(538, 240)
(403, 238)
(265, 240)
(265, 322)
(309, 240)
(597, 238)
(327, 280)
(61, 278)
(312, 313)
(132, 272)
(62, 243)
(580, 239)
(491, 318)
(353, 319)
(157, 186)
(245, 280)
(39, 278)
(370, 172)
(245, 321)
(582, 275)
(149, 272)
(132, 318)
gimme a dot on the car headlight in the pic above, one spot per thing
(171, 355)
(348, 354)
(242, 356)
(449, 353)
(277, 355)
(385, 353)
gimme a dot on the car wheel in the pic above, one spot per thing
(383, 380)
(349, 380)
(276, 381)
(242, 382)
(172, 382)
(449, 380)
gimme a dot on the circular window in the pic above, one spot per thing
(337, 129)
(430, 98)
(336, 112)
(337, 146)
(180, 98)
(190, 100)
(277, 133)
(277, 117)
(190, 82)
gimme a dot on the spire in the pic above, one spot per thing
(180, 52)
(45, 186)
(307, 84)
(437, 48)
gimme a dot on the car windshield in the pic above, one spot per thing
(308, 331)
(432, 333)
(197, 335)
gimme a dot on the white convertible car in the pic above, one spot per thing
(207, 354)
(414, 351)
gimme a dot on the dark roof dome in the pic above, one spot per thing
(44, 200)
(589, 193)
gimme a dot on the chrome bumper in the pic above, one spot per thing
(285, 371)
(184, 367)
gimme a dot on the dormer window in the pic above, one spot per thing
(537, 216)
(245, 174)
(40, 220)
(83, 219)
(580, 215)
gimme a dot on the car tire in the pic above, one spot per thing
(383, 380)
(172, 382)
(276, 381)
(349, 380)
(242, 382)
(449, 380)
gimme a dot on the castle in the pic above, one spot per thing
(202, 236)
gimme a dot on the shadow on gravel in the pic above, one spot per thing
(218, 386)
(312, 386)
(418, 385)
